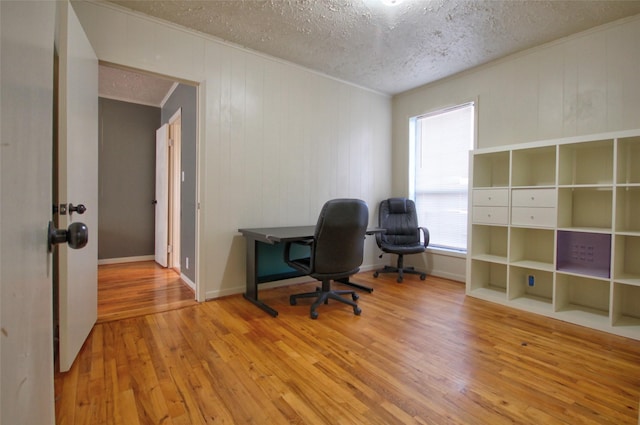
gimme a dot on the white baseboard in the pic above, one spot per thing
(450, 276)
(126, 259)
(188, 281)
(210, 295)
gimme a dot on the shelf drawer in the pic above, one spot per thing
(491, 215)
(491, 197)
(533, 198)
(539, 217)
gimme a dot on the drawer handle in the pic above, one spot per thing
(533, 198)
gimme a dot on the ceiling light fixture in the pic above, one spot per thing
(391, 2)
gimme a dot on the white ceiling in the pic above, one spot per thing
(389, 49)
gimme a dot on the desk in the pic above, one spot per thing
(265, 258)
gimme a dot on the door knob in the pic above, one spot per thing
(80, 208)
(76, 235)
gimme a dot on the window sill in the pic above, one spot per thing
(448, 252)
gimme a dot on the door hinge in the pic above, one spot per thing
(169, 249)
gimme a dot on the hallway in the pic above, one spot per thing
(140, 288)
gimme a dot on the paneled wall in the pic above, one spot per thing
(585, 84)
(276, 140)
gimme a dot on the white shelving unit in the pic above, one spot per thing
(555, 229)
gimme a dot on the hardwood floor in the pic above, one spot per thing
(135, 289)
(420, 353)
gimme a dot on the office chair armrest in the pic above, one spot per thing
(425, 234)
(379, 237)
(287, 247)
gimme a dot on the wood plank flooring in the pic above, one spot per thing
(420, 353)
(139, 288)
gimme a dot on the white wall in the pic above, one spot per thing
(587, 83)
(276, 140)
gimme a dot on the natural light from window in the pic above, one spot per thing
(442, 141)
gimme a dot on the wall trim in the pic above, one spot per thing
(211, 295)
(188, 282)
(126, 259)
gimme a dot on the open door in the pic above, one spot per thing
(26, 105)
(162, 195)
(77, 183)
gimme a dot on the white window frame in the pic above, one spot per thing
(413, 157)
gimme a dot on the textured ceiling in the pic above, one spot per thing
(128, 86)
(390, 49)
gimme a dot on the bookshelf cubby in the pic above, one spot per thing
(628, 209)
(534, 167)
(555, 229)
(628, 160)
(531, 285)
(492, 170)
(489, 243)
(626, 266)
(589, 163)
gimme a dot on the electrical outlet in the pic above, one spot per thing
(187, 263)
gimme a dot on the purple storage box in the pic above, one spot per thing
(584, 253)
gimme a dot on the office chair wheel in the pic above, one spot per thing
(355, 296)
(314, 315)
(376, 274)
(423, 276)
(399, 279)
(357, 311)
(292, 300)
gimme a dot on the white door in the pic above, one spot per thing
(77, 182)
(26, 106)
(162, 195)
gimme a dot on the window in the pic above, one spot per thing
(441, 144)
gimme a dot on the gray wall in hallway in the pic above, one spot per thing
(185, 97)
(126, 179)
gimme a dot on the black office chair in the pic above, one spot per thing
(399, 218)
(336, 251)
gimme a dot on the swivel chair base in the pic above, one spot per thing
(323, 296)
(400, 269)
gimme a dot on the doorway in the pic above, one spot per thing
(170, 111)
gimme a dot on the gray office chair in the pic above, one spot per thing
(399, 218)
(336, 251)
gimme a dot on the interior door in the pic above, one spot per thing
(26, 105)
(162, 195)
(77, 182)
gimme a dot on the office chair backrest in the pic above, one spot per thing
(339, 236)
(400, 219)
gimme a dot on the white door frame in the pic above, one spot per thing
(175, 183)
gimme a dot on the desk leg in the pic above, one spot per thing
(251, 292)
(346, 281)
